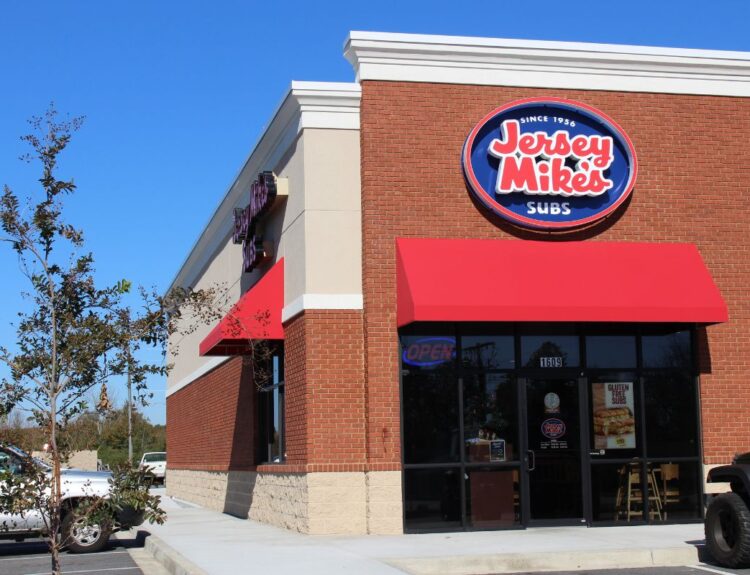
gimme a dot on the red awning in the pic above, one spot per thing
(514, 280)
(256, 316)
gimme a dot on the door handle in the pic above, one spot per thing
(531, 460)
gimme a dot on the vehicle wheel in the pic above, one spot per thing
(728, 530)
(78, 536)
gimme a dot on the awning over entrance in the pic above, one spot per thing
(257, 315)
(514, 280)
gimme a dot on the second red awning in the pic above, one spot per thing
(257, 315)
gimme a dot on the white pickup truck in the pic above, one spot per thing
(155, 463)
(77, 485)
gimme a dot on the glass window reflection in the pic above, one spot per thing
(617, 492)
(670, 350)
(490, 418)
(671, 415)
(432, 498)
(550, 351)
(678, 489)
(487, 352)
(430, 426)
(610, 351)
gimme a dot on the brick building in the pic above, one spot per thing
(446, 353)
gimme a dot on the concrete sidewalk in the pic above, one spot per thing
(196, 541)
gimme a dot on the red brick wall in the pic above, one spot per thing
(295, 393)
(211, 423)
(694, 175)
(325, 392)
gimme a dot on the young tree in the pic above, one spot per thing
(67, 328)
(73, 334)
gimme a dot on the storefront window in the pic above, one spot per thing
(432, 498)
(488, 350)
(608, 351)
(272, 411)
(669, 350)
(616, 492)
(678, 489)
(431, 428)
(550, 351)
(430, 398)
(490, 417)
(671, 415)
(492, 425)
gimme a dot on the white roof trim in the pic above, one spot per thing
(569, 65)
(306, 105)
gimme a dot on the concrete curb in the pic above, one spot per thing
(171, 560)
(548, 561)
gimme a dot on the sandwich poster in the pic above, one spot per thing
(614, 422)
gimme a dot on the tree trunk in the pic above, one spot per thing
(130, 413)
(55, 507)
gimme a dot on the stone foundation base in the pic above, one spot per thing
(314, 503)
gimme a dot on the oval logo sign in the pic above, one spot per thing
(549, 163)
(430, 351)
(553, 428)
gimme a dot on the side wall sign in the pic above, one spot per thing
(262, 196)
(549, 163)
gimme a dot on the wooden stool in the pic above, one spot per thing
(629, 499)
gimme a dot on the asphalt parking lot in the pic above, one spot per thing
(31, 558)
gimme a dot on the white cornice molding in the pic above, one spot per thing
(321, 301)
(306, 105)
(569, 65)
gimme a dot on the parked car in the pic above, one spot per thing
(727, 524)
(81, 536)
(155, 463)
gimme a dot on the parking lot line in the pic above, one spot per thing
(80, 556)
(90, 571)
(709, 569)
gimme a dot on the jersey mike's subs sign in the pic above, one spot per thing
(549, 163)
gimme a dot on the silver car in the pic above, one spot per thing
(81, 536)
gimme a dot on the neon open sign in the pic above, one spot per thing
(429, 351)
(549, 163)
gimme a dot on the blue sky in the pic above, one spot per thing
(175, 94)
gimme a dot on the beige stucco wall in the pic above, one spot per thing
(222, 274)
(316, 229)
(333, 204)
(322, 239)
(290, 228)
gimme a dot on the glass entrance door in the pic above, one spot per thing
(553, 423)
